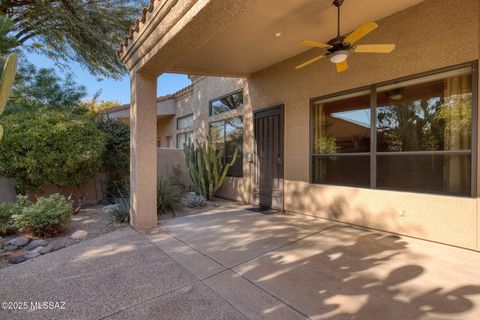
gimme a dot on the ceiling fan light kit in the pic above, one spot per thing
(340, 48)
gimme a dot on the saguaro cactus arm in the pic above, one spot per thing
(8, 76)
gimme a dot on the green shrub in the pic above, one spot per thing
(116, 158)
(44, 217)
(7, 211)
(7, 224)
(170, 194)
(50, 146)
(121, 212)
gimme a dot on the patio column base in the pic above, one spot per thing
(143, 151)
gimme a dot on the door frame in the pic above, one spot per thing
(281, 109)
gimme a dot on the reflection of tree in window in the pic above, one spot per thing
(429, 117)
(230, 102)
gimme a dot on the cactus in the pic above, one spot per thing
(205, 167)
(8, 76)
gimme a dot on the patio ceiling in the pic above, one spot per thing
(250, 44)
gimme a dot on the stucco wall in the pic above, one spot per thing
(431, 35)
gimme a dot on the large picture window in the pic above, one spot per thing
(227, 135)
(421, 138)
(226, 103)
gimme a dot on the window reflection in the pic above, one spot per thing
(430, 116)
(343, 125)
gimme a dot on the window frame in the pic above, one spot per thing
(225, 139)
(221, 97)
(185, 133)
(373, 131)
(185, 116)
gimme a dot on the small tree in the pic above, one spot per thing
(50, 146)
(206, 168)
(116, 158)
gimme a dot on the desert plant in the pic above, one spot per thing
(121, 210)
(8, 76)
(206, 168)
(170, 194)
(8, 210)
(44, 217)
(7, 224)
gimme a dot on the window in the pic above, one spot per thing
(183, 138)
(341, 140)
(229, 102)
(227, 135)
(421, 138)
(185, 122)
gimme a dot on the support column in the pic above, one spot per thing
(143, 151)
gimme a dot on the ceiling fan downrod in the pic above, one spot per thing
(338, 4)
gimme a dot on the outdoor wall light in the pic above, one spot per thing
(338, 56)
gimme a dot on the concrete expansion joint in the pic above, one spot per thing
(232, 268)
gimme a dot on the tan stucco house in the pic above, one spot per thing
(389, 143)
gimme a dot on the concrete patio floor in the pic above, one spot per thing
(243, 265)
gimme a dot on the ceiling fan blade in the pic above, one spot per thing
(306, 63)
(361, 32)
(315, 44)
(342, 66)
(375, 48)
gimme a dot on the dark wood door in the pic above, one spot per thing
(268, 173)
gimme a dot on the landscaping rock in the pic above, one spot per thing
(58, 247)
(30, 254)
(37, 249)
(47, 249)
(19, 241)
(79, 234)
(1, 239)
(36, 243)
(10, 247)
(110, 208)
(16, 259)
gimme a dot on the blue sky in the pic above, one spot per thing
(111, 89)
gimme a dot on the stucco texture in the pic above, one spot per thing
(431, 35)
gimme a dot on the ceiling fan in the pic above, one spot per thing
(339, 48)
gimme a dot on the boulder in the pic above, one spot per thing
(36, 243)
(110, 208)
(37, 249)
(16, 259)
(79, 235)
(46, 249)
(18, 241)
(31, 254)
(10, 247)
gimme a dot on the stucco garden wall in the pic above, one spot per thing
(431, 35)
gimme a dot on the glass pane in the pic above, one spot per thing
(445, 173)
(180, 140)
(342, 125)
(342, 170)
(217, 134)
(185, 122)
(433, 115)
(230, 102)
(234, 139)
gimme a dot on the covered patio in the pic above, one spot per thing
(414, 191)
(237, 264)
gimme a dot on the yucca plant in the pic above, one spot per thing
(170, 195)
(8, 76)
(206, 168)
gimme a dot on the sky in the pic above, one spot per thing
(110, 89)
